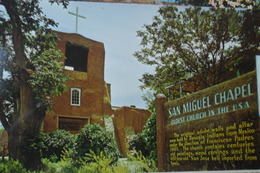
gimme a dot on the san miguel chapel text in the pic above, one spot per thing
(207, 102)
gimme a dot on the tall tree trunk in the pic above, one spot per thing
(26, 129)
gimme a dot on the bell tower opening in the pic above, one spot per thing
(76, 57)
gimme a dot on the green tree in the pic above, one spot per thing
(196, 42)
(35, 75)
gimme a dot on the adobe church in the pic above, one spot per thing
(88, 98)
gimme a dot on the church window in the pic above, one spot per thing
(76, 57)
(75, 94)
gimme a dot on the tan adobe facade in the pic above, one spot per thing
(87, 99)
(91, 103)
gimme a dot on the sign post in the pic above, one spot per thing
(160, 135)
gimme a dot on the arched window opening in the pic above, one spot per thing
(75, 96)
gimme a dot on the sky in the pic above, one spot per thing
(115, 25)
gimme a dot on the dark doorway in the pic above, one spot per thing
(71, 124)
(77, 57)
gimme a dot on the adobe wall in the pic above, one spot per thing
(95, 99)
(128, 119)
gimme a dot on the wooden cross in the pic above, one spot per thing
(77, 16)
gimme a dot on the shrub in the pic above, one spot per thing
(95, 138)
(147, 165)
(93, 163)
(55, 143)
(101, 163)
(12, 166)
(64, 165)
(50, 166)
